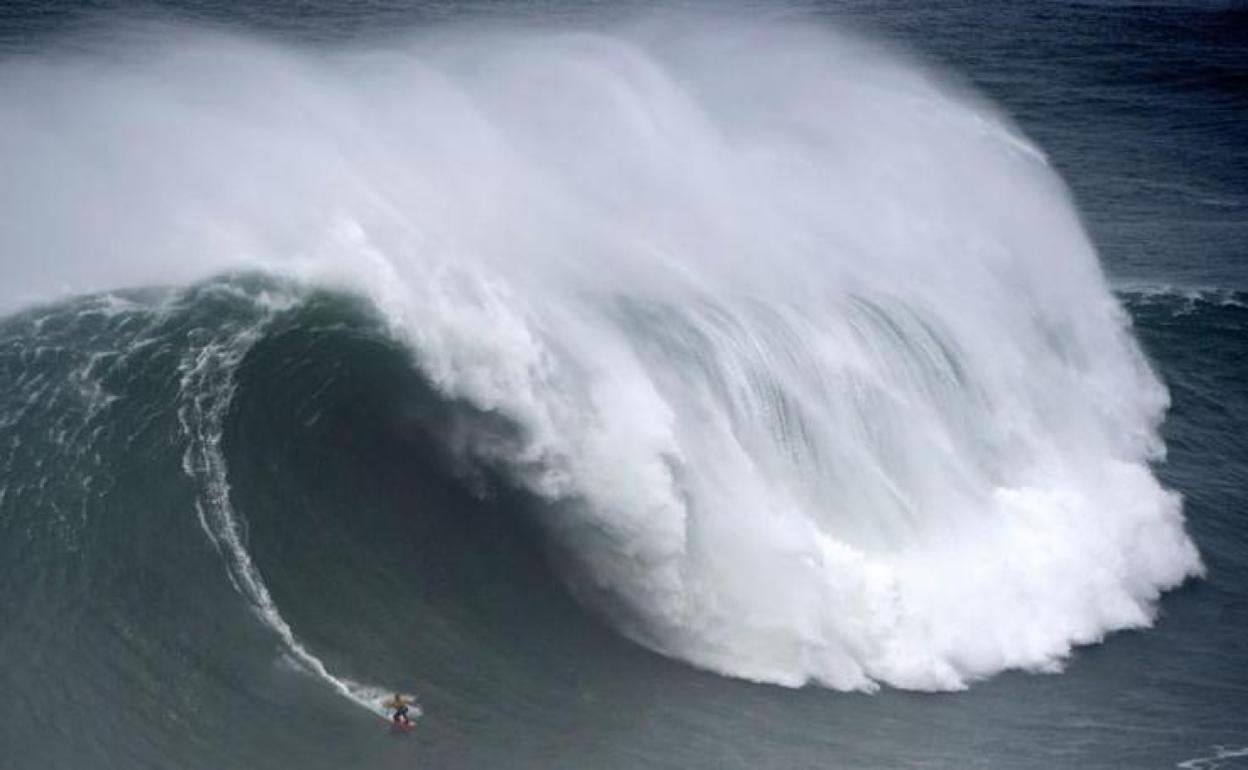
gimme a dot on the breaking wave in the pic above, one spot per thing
(805, 351)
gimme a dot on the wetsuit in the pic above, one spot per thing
(400, 714)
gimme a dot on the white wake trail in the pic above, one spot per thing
(207, 386)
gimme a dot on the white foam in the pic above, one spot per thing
(1185, 299)
(1219, 758)
(812, 355)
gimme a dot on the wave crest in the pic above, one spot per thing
(809, 352)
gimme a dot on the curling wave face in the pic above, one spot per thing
(807, 352)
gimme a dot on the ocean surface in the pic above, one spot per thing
(808, 385)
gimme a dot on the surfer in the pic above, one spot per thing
(400, 704)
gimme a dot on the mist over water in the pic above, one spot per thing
(806, 351)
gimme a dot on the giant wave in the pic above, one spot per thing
(805, 351)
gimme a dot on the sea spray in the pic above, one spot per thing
(811, 358)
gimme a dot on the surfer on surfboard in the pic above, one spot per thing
(399, 704)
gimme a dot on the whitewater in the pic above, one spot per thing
(804, 346)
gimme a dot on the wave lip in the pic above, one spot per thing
(808, 352)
